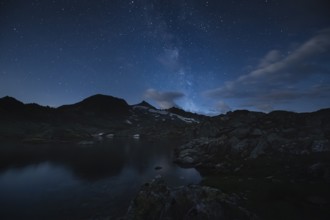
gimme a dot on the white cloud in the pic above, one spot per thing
(222, 107)
(164, 99)
(280, 79)
(272, 57)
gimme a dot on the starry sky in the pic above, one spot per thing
(203, 56)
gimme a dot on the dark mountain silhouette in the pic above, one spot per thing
(99, 104)
(88, 118)
(9, 104)
(12, 109)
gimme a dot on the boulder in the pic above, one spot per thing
(259, 149)
(200, 151)
(240, 132)
(157, 201)
(320, 146)
(150, 202)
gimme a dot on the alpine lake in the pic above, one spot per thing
(90, 181)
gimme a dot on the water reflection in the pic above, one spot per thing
(53, 181)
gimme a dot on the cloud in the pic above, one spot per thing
(164, 99)
(222, 107)
(271, 57)
(282, 79)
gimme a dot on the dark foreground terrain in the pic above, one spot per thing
(254, 165)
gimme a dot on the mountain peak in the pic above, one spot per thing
(145, 104)
(100, 104)
(102, 98)
(10, 102)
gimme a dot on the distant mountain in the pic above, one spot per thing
(10, 108)
(10, 104)
(95, 115)
(99, 104)
(102, 115)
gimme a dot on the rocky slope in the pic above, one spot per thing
(238, 137)
(278, 162)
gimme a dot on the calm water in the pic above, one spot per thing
(82, 182)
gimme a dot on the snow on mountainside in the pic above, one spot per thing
(163, 114)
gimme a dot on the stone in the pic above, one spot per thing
(150, 201)
(157, 201)
(240, 132)
(259, 149)
(187, 160)
(320, 146)
(256, 132)
(86, 142)
(239, 147)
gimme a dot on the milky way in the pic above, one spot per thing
(203, 56)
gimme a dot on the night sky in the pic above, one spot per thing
(203, 56)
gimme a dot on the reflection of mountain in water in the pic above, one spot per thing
(95, 162)
(90, 162)
(52, 181)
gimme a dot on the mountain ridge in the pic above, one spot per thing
(9, 100)
(104, 114)
(85, 119)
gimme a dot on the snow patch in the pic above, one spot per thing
(187, 120)
(136, 136)
(140, 107)
(98, 135)
(110, 135)
(161, 112)
(157, 113)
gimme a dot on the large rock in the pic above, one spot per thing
(157, 201)
(259, 149)
(150, 201)
(200, 150)
(320, 146)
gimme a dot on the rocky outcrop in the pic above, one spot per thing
(157, 201)
(241, 136)
(200, 151)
